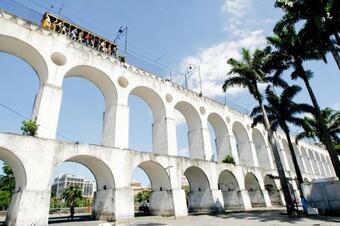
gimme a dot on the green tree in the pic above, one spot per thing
(229, 159)
(7, 186)
(72, 195)
(29, 127)
(312, 131)
(320, 21)
(143, 196)
(290, 53)
(281, 112)
(251, 70)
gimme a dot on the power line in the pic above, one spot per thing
(26, 118)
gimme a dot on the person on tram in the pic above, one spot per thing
(58, 26)
(87, 39)
(74, 34)
(64, 30)
(46, 22)
(80, 37)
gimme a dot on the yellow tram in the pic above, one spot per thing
(79, 34)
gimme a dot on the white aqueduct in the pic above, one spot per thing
(213, 185)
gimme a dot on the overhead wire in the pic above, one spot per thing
(130, 51)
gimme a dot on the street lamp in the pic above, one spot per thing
(190, 71)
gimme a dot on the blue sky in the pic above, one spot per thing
(162, 36)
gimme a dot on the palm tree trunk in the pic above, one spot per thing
(335, 52)
(283, 180)
(323, 129)
(295, 162)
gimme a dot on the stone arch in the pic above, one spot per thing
(243, 144)
(104, 198)
(253, 187)
(107, 88)
(325, 164)
(305, 158)
(161, 197)
(273, 191)
(97, 77)
(159, 126)
(320, 164)
(200, 196)
(230, 189)
(222, 141)
(261, 148)
(313, 162)
(288, 155)
(20, 181)
(195, 136)
(26, 52)
(298, 157)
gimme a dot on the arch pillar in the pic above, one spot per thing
(164, 136)
(270, 157)
(266, 198)
(123, 204)
(198, 145)
(46, 110)
(223, 146)
(254, 154)
(234, 152)
(24, 211)
(246, 199)
(116, 126)
(103, 207)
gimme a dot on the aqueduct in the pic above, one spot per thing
(214, 186)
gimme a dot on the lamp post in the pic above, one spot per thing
(190, 71)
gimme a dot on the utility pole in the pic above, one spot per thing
(190, 71)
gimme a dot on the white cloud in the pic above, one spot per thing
(184, 152)
(336, 106)
(237, 7)
(212, 62)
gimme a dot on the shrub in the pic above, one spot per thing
(229, 159)
(122, 59)
(29, 127)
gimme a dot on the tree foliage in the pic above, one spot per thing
(29, 127)
(143, 197)
(72, 195)
(229, 159)
(7, 186)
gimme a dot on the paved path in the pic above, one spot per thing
(251, 218)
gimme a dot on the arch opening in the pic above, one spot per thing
(308, 167)
(18, 91)
(219, 137)
(261, 148)
(26, 52)
(95, 100)
(231, 193)
(274, 194)
(243, 145)
(199, 196)
(93, 182)
(156, 198)
(254, 190)
(12, 183)
(194, 135)
(313, 162)
(148, 129)
(289, 156)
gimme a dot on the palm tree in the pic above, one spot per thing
(290, 53)
(72, 195)
(312, 131)
(321, 21)
(282, 111)
(248, 73)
